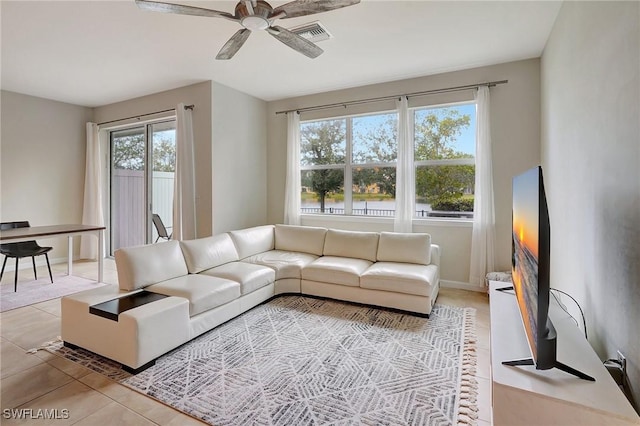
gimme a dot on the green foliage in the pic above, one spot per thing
(323, 143)
(461, 204)
(128, 153)
(443, 182)
(436, 134)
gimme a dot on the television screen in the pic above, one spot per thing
(525, 260)
(531, 258)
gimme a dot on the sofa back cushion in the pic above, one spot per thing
(252, 241)
(405, 248)
(303, 239)
(141, 266)
(358, 245)
(205, 253)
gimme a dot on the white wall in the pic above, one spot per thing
(198, 95)
(42, 165)
(591, 159)
(515, 122)
(239, 159)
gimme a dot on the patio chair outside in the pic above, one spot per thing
(160, 228)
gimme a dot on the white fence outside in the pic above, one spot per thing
(128, 210)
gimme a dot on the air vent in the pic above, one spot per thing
(313, 31)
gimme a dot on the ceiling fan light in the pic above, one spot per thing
(254, 22)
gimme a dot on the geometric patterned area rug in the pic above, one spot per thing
(41, 290)
(298, 360)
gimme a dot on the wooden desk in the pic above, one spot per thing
(38, 232)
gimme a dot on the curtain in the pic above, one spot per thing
(184, 195)
(292, 180)
(92, 213)
(483, 238)
(405, 171)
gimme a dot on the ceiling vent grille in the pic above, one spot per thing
(313, 31)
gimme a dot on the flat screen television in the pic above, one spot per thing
(530, 261)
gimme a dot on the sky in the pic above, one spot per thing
(467, 140)
(526, 208)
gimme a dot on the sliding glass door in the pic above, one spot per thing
(141, 181)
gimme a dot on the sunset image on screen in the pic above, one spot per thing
(526, 212)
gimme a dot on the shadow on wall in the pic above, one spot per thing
(615, 295)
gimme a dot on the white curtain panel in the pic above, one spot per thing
(184, 196)
(405, 171)
(292, 180)
(483, 238)
(92, 213)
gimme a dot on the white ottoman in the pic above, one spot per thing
(135, 337)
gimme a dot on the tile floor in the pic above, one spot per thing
(45, 381)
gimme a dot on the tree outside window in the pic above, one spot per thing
(359, 153)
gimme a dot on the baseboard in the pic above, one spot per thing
(462, 286)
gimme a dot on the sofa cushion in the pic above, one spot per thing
(254, 240)
(141, 266)
(401, 278)
(209, 252)
(359, 245)
(336, 270)
(304, 239)
(203, 292)
(405, 248)
(285, 263)
(251, 277)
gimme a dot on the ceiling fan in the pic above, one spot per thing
(258, 15)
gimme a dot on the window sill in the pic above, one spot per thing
(442, 222)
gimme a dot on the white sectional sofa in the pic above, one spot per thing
(171, 292)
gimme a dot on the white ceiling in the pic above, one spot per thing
(95, 53)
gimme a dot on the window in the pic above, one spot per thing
(360, 153)
(138, 190)
(445, 148)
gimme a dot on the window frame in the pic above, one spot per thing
(348, 166)
(441, 162)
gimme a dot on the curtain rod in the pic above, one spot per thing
(386, 98)
(144, 115)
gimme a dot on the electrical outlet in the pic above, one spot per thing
(623, 362)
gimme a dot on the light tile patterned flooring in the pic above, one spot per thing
(46, 381)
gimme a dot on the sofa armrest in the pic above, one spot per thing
(435, 255)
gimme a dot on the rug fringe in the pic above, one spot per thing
(45, 345)
(467, 404)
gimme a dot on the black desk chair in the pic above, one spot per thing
(23, 249)
(162, 231)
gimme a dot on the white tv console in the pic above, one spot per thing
(526, 396)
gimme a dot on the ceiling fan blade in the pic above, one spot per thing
(234, 44)
(295, 42)
(309, 7)
(180, 9)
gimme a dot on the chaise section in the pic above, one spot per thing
(203, 292)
